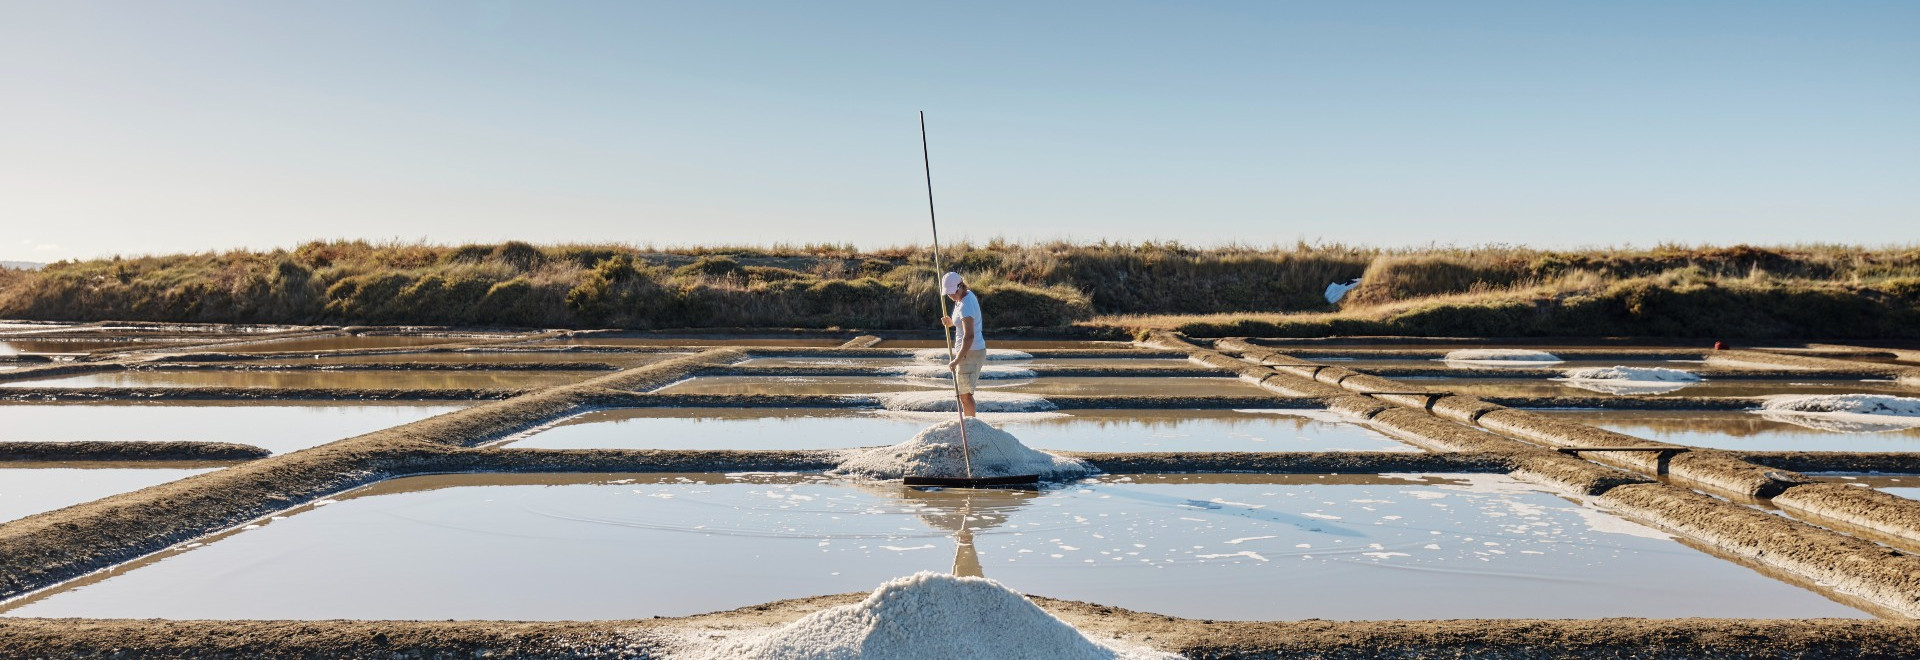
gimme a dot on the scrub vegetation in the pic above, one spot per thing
(1676, 291)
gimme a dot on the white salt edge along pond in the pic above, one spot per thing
(943, 401)
(941, 372)
(935, 452)
(941, 355)
(1629, 380)
(929, 615)
(1847, 413)
(1500, 355)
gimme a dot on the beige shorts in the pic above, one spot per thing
(966, 376)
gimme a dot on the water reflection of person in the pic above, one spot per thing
(964, 512)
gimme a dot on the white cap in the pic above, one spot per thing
(950, 283)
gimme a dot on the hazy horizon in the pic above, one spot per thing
(206, 125)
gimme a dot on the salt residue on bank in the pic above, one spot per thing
(1629, 380)
(941, 355)
(1500, 355)
(942, 401)
(1846, 413)
(941, 372)
(930, 615)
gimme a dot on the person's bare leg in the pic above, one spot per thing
(966, 404)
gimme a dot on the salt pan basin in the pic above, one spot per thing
(1099, 386)
(553, 547)
(27, 491)
(399, 379)
(1080, 430)
(1740, 431)
(278, 427)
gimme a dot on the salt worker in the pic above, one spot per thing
(969, 343)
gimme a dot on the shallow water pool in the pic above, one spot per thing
(424, 379)
(339, 343)
(278, 426)
(555, 547)
(27, 491)
(1747, 430)
(1080, 430)
(1097, 386)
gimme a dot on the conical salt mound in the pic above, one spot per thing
(935, 452)
(931, 615)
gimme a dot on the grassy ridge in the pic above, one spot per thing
(1740, 291)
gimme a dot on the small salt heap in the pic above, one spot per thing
(930, 615)
(1500, 357)
(935, 452)
(1629, 380)
(1846, 413)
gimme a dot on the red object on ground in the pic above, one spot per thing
(1719, 345)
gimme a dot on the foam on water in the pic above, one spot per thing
(930, 615)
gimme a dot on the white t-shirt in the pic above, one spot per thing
(968, 307)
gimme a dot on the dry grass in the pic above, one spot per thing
(1168, 285)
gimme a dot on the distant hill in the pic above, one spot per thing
(21, 265)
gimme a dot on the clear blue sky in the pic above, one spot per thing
(144, 127)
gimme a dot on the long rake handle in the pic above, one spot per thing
(926, 161)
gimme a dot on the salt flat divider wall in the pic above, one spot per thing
(1886, 578)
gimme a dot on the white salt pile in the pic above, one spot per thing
(941, 372)
(1846, 413)
(1630, 380)
(1500, 355)
(1647, 374)
(1857, 404)
(930, 615)
(940, 355)
(935, 452)
(942, 401)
